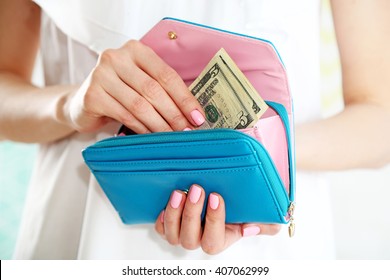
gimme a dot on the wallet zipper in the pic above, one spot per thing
(291, 226)
(202, 135)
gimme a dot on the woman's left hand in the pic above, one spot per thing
(180, 223)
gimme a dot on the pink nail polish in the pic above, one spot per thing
(195, 193)
(162, 216)
(250, 231)
(213, 201)
(187, 129)
(197, 117)
(176, 199)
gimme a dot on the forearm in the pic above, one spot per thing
(30, 114)
(358, 137)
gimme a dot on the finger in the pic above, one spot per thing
(190, 232)
(172, 83)
(114, 110)
(92, 115)
(135, 104)
(172, 217)
(257, 229)
(159, 224)
(215, 236)
(156, 95)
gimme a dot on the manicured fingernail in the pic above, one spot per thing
(213, 201)
(195, 193)
(187, 129)
(250, 231)
(176, 199)
(162, 216)
(197, 117)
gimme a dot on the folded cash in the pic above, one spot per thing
(227, 97)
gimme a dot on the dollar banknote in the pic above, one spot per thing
(227, 97)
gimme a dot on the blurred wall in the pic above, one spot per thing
(15, 169)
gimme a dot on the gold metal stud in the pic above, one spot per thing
(172, 35)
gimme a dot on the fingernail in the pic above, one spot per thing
(162, 216)
(213, 201)
(187, 129)
(195, 193)
(250, 231)
(176, 199)
(197, 117)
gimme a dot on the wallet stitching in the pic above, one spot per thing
(110, 149)
(265, 178)
(139, 173)
(271, 193)
(171, 161)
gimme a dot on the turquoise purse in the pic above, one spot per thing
(252, 169)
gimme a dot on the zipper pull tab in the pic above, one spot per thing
(291, 227)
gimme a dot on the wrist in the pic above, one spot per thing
(63, 105)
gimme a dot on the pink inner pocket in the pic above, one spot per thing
(270, 132)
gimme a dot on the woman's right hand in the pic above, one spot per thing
(135, 87)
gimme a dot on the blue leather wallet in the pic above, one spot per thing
(139, 172)
(254, 173)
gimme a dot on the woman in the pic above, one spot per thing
(88, 86)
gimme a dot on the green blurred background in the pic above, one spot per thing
(362, 225)
(16, 162)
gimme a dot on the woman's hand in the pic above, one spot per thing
(180, 223)
(133, 86)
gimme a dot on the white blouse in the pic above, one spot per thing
(68, 216)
